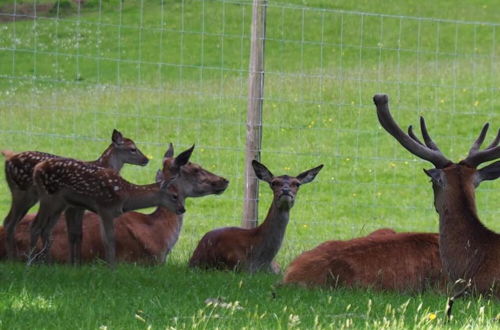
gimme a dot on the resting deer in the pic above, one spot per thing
(19, 175)
(140, 238)
(383, 260)
(468, 250)
(66, 182)
(253, 249)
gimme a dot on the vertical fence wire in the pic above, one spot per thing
(177, 72)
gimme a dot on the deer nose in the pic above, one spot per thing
(181, 210)
(285, 191)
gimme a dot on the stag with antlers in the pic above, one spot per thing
(469, 251)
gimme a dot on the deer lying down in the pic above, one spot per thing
(253, 249)
(383, 260)
(140, 238)
(469, 251)
(19, 175)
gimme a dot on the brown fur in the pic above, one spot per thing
(469, 251)
(253, 249)
(383, 260)
(140, 238)
(19, 170)
(65, 182)
(8, 154)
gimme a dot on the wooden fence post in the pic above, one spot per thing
(254, 112)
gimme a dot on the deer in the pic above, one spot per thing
(252, 250)
(382, 260)
(19, 175)
(469, 251)
(64, 182)
(140, 238)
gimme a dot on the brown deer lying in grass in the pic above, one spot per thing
(141, 238)
(383, 260)
(253, 249)
(65, 182)
(469, 251)
(19, 175)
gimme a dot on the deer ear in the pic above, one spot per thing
(262, 172)
(159, 176)
(117, 137)
(183, 157)
(490, 172)
(435, 175)
(309, 175)
(170, 152)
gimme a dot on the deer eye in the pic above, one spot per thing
(175, 197)
(275, 183)
(133, 150)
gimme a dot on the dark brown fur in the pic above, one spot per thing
(383, 260)
(253, 249)
(469, 251)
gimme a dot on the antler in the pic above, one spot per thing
(491, 152)
(429, 151)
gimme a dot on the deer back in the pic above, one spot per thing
(403, 262)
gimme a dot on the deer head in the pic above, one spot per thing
(172, 196)
(447, 177)
(126, 150)
(194, 180)
(284, 187)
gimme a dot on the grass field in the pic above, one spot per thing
(175, 71)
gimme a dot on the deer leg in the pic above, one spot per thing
(74, 217)
(46, 232)
(22, 201)
(49, 212)
(108, 237)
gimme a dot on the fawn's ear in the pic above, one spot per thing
(183, 158)
(262, 172)
(309, 175)
(117, 137)
(490, 172)
(159, 176)
(170, 152)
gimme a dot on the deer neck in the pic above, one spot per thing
(168, 225)
(271, 233)
(141, 196)
(461, 234)
(109, 159)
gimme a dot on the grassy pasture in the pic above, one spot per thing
(176, 71)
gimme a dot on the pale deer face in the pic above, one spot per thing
(127, 151)
(284, 187)
(194, 180)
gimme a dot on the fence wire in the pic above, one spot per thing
(177, 72)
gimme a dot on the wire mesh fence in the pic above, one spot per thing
(177, 72)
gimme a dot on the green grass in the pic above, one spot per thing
(177, 72)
